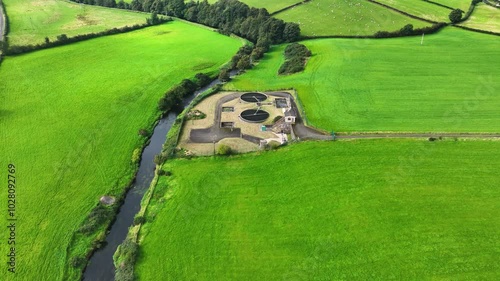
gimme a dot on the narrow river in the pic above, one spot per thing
(101, 267)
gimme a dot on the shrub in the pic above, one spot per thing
(292, 66)
(223, 149)
(139, 220)
(97, 217)
(124, 258)
(160, 159)
(296, 50)
(295, 55)
(77, 262)
(164, 173)
(136, 155)
(143, 132)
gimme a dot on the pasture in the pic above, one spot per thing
(484, 17)
(69, 121)
(460, 4)
(392, 84)
(33, 20)
(345, 17)
(420, 9)
(364, 210)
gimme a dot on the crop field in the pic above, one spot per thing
(365, 210)
(71, 131)
(33, 20)
(393, 84)
(484, 17)
(420, 9)
(344, 17)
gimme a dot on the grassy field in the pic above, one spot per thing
(358, 210)
(69, 121)
(420, 8)
(344, 17)
(33, 20)
(460, 4)
(393, 84)
(484, 17)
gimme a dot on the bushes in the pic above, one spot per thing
(96, 218)
(136, 155)
(408, 30)
(296, 56)
(173, 98)
(223, 149)
(124, 258)
(296, 50)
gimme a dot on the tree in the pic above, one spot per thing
(177, 7)
(244, 63)
(202, 79)
(224, 75)
(456, 15)
(291, 32)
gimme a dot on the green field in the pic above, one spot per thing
(420, 8)
(345, 17)
(349, 210)
(271, 6)
(393, 84)
(460, 4)
(33, 20)
(69, 121)
(484, 17)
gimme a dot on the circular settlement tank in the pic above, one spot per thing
(254, 115)
(253, 97)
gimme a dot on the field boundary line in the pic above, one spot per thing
(289, 7)
(490, 4)
(402, 12)
(477, 30)
(439, 4)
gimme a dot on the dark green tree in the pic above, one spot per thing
(244, 63)
(456, 15)
(224, 75)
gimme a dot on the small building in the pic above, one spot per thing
(290, 116)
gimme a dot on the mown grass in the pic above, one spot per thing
(364, 210)
(448, 84)
(345, 17)
(32, 20)
(69, 121)
(484, 17)
(420, 8)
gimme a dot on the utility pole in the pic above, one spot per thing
(422, 41)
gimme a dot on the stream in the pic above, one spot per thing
(100, 266)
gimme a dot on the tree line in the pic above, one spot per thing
(228, 16)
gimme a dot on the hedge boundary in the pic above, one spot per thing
(289, 7)
(23, 49)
